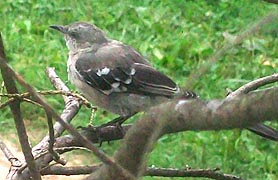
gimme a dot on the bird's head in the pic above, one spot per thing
(81, 35)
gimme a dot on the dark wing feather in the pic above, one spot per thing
(119, 75)
(152, 81)
(119, 68)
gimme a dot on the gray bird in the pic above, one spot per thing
(117, 78)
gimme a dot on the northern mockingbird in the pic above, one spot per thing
(117, 78)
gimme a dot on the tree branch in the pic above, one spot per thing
(15, 162)
(183, 115)
(219, 53)
(272, 1)
(151, 171)
(253, 85)
(73, 104)
(209, 116)
(67, 95)
(85, 142)
(205, 173)
(15, 108)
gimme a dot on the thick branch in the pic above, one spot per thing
(182, 115)
(109, 133)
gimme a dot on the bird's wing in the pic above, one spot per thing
(119, 68)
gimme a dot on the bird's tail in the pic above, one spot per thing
(264, 131)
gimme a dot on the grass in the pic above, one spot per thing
(177, 37)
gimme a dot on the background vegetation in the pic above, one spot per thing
(177, 37)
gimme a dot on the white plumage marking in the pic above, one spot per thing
(132, 71)
(103, 71)
(128, 81)
(115, 85)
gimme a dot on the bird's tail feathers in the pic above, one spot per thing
(264, 131)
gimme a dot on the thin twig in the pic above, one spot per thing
(67, 149)
(2, 87)
(62, 150)
(253, 85)
(219, 53)
(10, 100)
(272, 1)
(51, 136)
(6, 103)
(57, 82)
(50, 92)
(55, 155)
(32, 102)
(67, 93)
(73, 170)
(15, 162)
(151, 171)
(205, 173)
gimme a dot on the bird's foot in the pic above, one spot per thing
(94, 133)
(118, 125)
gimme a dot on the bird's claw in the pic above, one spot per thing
(93, 132)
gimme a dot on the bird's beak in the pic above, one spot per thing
(62, 29)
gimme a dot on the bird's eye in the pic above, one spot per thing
(74, 34)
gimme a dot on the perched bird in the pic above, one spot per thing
(116, 77)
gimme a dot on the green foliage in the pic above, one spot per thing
(177, 37)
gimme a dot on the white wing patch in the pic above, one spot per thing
(132, 71)
(115, 85)
(128, 81)
(103, 71)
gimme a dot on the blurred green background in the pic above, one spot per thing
(177, 37)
